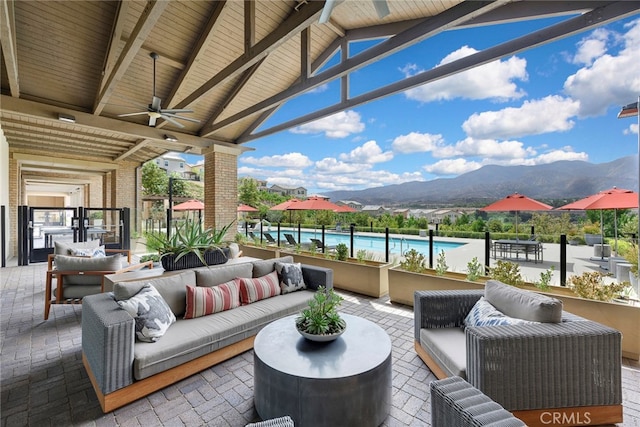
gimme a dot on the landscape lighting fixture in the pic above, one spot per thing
(66, 118)
(170, 138)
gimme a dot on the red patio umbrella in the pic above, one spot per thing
(284, 205)
(315, 204)
(614, 198)
(343, 209)
(516, 202)
(246, 208)
(189, 205)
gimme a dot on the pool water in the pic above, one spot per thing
(397, 245)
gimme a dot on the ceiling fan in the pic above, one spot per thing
(382, 9)
(155, 111)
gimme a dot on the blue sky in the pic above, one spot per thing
(555, 102)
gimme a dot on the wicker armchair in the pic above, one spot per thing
(567, 371)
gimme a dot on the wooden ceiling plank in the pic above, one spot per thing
(9, 47)
(114, 41)
(289, 28)
(425, 29)
(595, 18)
(145, 24)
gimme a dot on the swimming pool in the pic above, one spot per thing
(397, 245)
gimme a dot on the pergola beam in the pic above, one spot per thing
(8, 43)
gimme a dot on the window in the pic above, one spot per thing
(166, 163)
(181, 165)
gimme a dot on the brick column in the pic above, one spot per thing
(221, 187)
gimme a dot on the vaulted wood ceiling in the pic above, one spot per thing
(232, 62)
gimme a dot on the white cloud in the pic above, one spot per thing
(452, 167)
(364, 179)
(290, 160)
(549, 114)
(557, 155)
(470, 147)
(320, 89)
(493, 80)
(591, 47)
(611, 79)
(632, 129)
(332, 166)
(416, 142)
(369, 153)
(339, 125)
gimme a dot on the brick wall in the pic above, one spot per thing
(221, 188)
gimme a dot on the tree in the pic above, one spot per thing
(154, 179)
(248, 192)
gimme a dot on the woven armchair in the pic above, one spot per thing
(532, 369)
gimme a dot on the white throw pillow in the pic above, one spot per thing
(151, 312)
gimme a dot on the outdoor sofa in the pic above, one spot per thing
(543, 364)
(123, 368)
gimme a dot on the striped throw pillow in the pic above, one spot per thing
(203, 300)
(252, 290)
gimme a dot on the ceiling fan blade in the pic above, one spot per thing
(176, 110)
(172, 121)
(155, 104)
(382, 8)
(175, 116)
(152, 121)
(132, 114)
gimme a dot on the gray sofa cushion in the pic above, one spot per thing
(74, 263)
(523, 304)
(172, 287)
(191, 338)
(448, 348)
(262, 268)
(221, 274)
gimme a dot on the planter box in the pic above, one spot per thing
(402, 283)
(623, 317)
(592, 239)
(366, 278)
(260, 252)
(191, 260)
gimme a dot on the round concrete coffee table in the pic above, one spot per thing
(346, 382)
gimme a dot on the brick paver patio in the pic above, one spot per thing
(43, 381)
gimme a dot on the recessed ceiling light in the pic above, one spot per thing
(170, 138)
(66, 118)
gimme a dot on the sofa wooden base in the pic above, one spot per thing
(142, 388)
(556, 417)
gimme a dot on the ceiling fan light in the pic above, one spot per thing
(170, 138)
(66, 118)
(155, 114)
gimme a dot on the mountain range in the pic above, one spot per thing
(557, 181)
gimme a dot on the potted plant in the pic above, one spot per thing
(631, 255)
(321, 321)
(191, 246)
(592, 234)
(591, 285)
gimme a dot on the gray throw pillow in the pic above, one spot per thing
(262, 268)
(74, 263)
(523, 304)
(290, 276)
(152, 314)
(65, 248)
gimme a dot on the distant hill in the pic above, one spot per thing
(554, 181)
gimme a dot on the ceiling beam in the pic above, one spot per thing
(8, 43)
(114, 42)
(86, 122)
(63, 162)
(139, 144)
(304, 17)
(143, 27)
(595, 18)
(425, 29)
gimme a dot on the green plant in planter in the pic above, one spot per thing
(631, 255)
(507, 272)
(150, 257)
(591, 285)
(342, 252)
(441, 264)
(361, 255)
(190, 237)
(545, 279)
(321, 317)
(414, 262)
(474, 269)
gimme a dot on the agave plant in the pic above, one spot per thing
(190, 237)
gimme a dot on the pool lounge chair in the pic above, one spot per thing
(290, 239)
(322, 247)
(270, 238)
